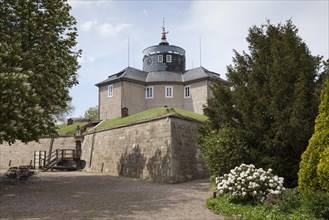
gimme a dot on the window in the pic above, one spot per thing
(168, 58)
(187, 91)
(110, 90)
(169, 91)
(149, 92)
(160, 58)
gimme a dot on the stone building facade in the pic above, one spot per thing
(164, 81)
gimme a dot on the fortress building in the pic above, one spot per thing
(164, 81)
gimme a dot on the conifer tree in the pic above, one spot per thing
(272, 99)
(314, 167)
(38, 66)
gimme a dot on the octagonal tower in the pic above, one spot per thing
(164, 57)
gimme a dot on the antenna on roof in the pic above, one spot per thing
(128, 52)
(200, 50)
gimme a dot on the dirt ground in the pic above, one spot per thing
(80, 195)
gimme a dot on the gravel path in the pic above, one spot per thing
(79, 195)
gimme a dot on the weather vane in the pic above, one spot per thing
(164, 32)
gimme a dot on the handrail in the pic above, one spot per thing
(59, 154)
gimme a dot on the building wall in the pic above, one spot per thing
(199, 95)
(19, 154)
(110, 107)
(133, 97)
(159, 99)
(162, 150)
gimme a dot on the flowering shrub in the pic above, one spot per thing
(248, 183)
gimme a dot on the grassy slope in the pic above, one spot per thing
(148, 115)
(65, 130)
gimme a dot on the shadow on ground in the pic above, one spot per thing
(83, 196)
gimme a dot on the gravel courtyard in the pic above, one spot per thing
(79, 195)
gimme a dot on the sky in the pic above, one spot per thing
(209, 31)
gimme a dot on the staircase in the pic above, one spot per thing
(60, 159)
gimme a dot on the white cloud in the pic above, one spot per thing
(108, 29)
(88, 25)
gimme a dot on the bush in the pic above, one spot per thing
(317, 203)
(221, 150)
(314, 168)
(289, 201)
(246, 183)
(323, 170)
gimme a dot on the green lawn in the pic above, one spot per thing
(67, 130)
(149, 115)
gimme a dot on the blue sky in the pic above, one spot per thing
(104, 28)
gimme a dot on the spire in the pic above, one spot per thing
(164, 32)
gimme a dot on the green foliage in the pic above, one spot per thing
(92, 113)
(221, 150)
(61, 115)
(317, 203)
(323, 170)
(224, 205)
(289, 201)
(314, 168)
(38, 65)
(271, 101)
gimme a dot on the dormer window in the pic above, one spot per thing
(160, 58)
(168, 58)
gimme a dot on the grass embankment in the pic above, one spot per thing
(66, 130)
(148, 115)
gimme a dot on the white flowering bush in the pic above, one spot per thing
(248, 183)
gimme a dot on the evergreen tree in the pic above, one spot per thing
(272, 99)
(38, 65)
(314, 167)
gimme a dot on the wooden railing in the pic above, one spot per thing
(58, 155)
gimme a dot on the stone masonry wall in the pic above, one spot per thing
(19, 154)
(162, 150)
(140, 151)
(187, 161)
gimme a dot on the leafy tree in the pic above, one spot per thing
(38, 65)
(92, 113)
(272, 99)
(314, 167)
(61, 115)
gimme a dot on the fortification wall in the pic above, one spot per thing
(162, 150)
(19, 154)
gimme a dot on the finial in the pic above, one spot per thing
(164, 32)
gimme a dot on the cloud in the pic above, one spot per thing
(108, 29)
(88, 25)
